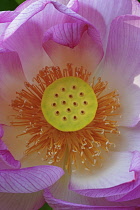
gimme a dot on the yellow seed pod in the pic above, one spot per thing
(69, 104)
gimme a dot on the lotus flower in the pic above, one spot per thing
(70, 105)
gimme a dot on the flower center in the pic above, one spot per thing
(67, 122)
(69, 104)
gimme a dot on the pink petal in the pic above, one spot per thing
(13, 142)
(135, 7)
(59, 204)
(121, 66)
(135, 165)
(60, 194)
(3, 27)
(35, 8)
(10, 73)
(28, 2)
(129, 113)
(128, 140)
(7, 16)
(60, 197)
(84, 39)
(134, 193)
(105, 182)
(7, 161)
(2, 145)
(29, 180)
(1, 135)
(67, 34)
(122, 55)
(74, 5)
(11, 80)
(124, 192)
(65, 2)
(32, 44)
(20, 201)
(101, 13)
(27, 41)
(23, 5)
(130, 105)
(25, 15)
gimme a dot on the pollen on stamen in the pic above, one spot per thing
(85, 145)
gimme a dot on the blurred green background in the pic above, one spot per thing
(11, 5)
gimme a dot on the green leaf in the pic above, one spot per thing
(7, 5)
(19, 1)
(45, 207)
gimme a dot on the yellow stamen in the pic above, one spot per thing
(72, 148)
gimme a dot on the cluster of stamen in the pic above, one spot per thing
(72, 148)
